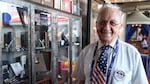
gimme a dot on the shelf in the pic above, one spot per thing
(46, 50)
(15, 54)
(19, 82)
(42, 75)
(63, 46)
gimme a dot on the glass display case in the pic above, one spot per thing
(75, 7)
(69, 45)
(71, 6)
(42, 38)
(76, 40)
(38, 44)
(14, 43)
(76, 44)
(63, 47)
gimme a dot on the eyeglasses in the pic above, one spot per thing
(111, 22)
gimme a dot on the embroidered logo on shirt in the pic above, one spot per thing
(119, 75)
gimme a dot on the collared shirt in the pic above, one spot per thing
(127, 68)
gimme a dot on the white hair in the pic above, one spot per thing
(115, 6)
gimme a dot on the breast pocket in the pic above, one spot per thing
(121, 77)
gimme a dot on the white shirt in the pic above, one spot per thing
(128, 60)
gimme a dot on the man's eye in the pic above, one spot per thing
(113, 23)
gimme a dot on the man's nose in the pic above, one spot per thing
(106, 25)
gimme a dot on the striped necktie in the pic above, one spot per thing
(100, 68)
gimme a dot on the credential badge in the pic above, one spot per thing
(119, 75)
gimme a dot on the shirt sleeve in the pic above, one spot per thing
(78, 72)
(139, 74)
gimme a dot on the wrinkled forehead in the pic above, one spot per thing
(110, 13)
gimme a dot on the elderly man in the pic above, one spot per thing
(109, 60)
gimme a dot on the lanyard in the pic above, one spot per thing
(112, 61)
(93, 61)
(111, 64)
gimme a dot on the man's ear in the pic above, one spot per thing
(121, 27)
(123, 23)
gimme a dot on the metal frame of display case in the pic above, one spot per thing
(1, 75)
(31, 36)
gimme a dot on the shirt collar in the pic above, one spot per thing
(112, 44)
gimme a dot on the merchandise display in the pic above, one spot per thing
(35, 37)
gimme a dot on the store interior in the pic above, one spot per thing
(41, 39)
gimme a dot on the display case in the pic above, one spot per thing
(63, 47)
(41, 39)
(38, 44)
(14, 42)
(69, 45)
(70, 6)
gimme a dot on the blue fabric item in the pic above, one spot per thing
(146, 64)
(6, 18)
(102, 61)
(145, 29)
(128, 27)
(130, 32)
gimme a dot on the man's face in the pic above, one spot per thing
(109, 24)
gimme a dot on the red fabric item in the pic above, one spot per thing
(149, 80)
